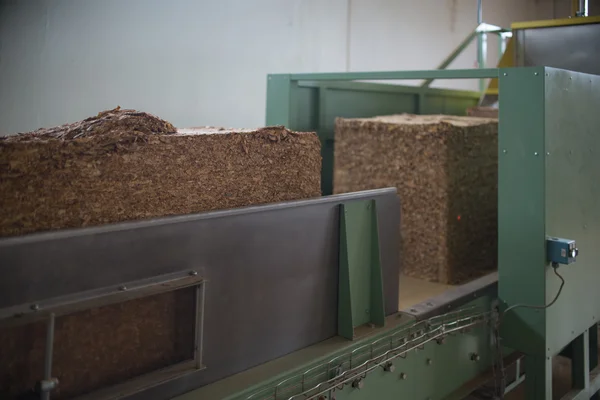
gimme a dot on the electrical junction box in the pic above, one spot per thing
(561, 251)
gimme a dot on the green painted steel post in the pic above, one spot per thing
(521, 227)
(421, 103)
(278, 100)
(538, 381)
(521, 208)
(327, 144)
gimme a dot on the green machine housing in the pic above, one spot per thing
(549, 186)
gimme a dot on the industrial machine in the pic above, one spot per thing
(300, 300)
(319, 318)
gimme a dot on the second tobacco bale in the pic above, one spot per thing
(445, 170)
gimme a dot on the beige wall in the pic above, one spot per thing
(408, 34)
(204, 62)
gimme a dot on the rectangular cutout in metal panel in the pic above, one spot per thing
(116, 340)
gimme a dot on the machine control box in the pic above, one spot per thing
(561, 251)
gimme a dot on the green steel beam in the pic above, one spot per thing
(521, 222)
(397, 75)
(521, 213)
(278, 99)
(388, 88)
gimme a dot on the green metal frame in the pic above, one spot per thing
(549, 184)
(311, 102)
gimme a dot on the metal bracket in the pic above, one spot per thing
(360, 298)
(63, 305)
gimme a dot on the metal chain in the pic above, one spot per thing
(380, 353)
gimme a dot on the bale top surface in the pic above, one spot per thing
(123, 165)
(413, 119)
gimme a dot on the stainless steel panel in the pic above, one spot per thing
(272, 273)
(574, 48)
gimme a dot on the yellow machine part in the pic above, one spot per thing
(549, 23)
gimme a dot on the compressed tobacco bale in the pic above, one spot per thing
(77, 178)
(126, 165)
(445, 170)
(484, 112)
